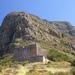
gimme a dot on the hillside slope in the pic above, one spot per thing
(20, 29)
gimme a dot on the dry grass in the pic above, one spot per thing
(35, 68)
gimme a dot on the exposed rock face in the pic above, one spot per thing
(20, 29)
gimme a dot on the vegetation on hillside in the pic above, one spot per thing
(55, 55)
(20, 29)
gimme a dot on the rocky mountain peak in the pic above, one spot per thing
(19, 28)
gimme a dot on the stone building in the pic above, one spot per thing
(32, 52)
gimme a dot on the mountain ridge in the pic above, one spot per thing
(19, 28)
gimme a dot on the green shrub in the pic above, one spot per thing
(24, 62)
(0, 68)
(6, 60)
(55, 55)
(73, 62)
(73, 71)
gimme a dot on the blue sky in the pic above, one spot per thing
(62, 10)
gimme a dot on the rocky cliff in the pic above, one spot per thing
(19, 29)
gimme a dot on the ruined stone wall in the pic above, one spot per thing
(25, 53)
(31, 52)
